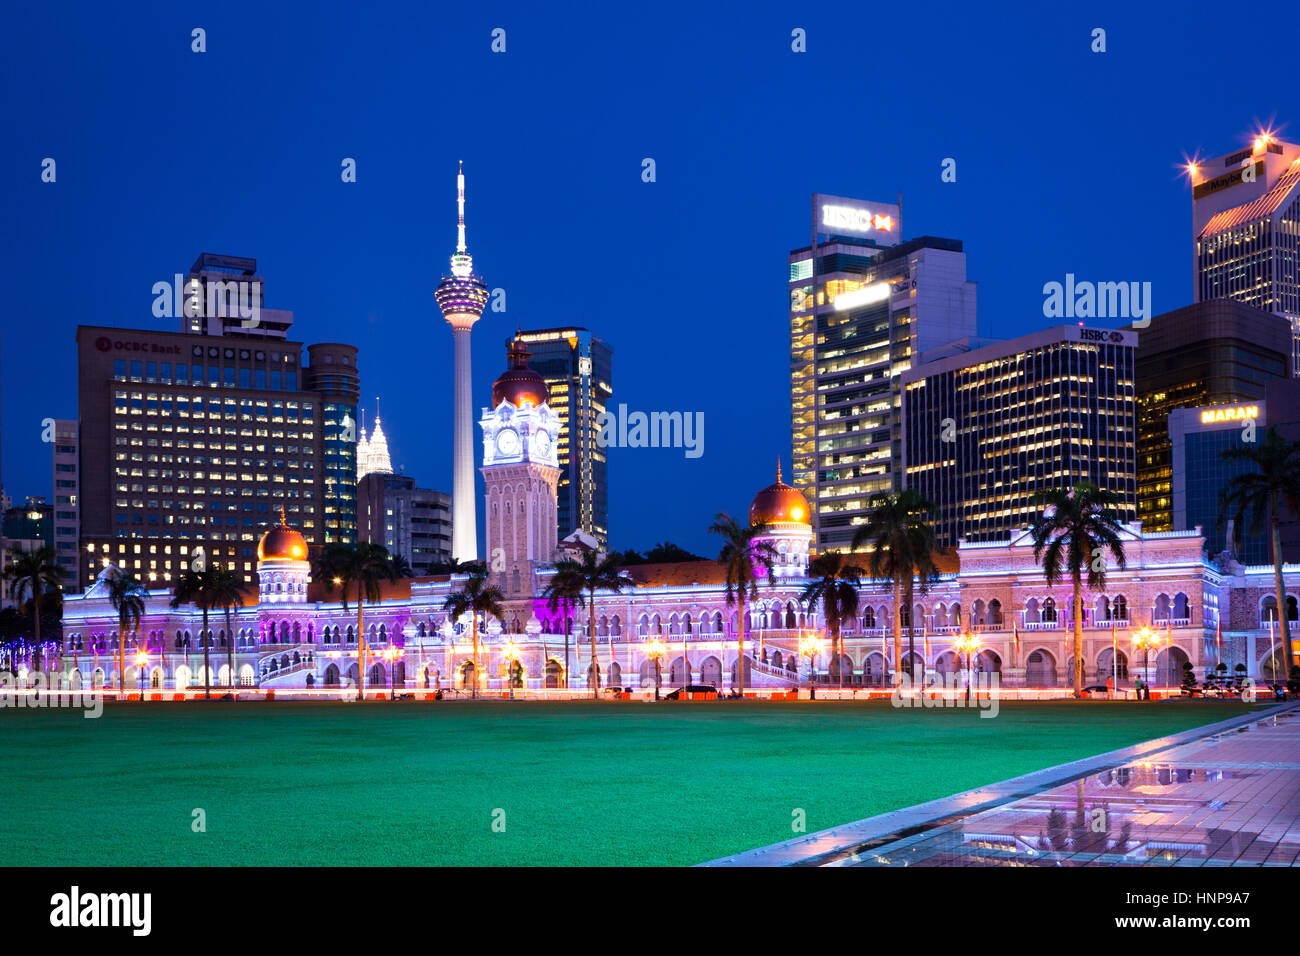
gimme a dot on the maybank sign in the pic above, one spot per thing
(835, 215)
(1232, 413)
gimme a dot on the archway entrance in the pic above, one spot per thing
(1040, 669)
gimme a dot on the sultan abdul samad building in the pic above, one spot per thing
(292, 635)
(289, 636)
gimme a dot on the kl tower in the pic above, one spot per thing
(461, 297)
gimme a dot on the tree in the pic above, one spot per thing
(744, 552)
(575, 578)
(228, 592)
(1258, 496)
(33, 573)
(127, 595)
(195, 587)
(902, 548)
(1071, 538)
(563, 593)
(833, 583)
(476, 597)
(361, 566)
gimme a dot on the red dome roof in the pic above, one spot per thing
(282, 543)
(519, 385)
(779, 502)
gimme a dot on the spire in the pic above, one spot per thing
(778, 469)
(461, 263)
(284, 522)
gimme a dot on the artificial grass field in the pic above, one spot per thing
(581, 783)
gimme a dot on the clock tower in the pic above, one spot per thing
(520, 473)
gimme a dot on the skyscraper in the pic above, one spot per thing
(858, 319)
(410, 521)
(1212, 353)
(372, 452)
(190, 443)
(985, 430)
(578, 368)
(67, 502)
(461, 297)
(1246, 230)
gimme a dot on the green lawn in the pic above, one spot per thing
(580, 783)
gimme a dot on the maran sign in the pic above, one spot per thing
(1235, 413)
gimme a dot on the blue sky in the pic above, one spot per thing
(1067, 161)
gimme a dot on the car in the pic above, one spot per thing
(691, 689)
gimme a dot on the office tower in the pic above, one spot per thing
(67, 503)
(986, 430)
(858, 319)
(1197, 439)
(223, 295)
(1246, 229)
(578, 368)
(1212, 353)
(26, 527)
(191, 443)
(372, 452)
(410, 521)
(461, 297)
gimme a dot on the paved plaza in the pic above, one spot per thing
(1224, 795)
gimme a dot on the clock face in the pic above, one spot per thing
(508, 441)
(543, 442)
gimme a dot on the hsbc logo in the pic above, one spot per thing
(1100, 335)
(853, 219)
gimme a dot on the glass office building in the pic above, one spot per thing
(578, 368)
(863, 304)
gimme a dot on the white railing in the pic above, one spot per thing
(1042, 625)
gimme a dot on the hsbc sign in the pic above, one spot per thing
(853, 217)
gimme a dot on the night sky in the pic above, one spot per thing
(1067, 161)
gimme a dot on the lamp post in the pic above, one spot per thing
(1146, 639)
(655, 650)
(810, 647)
(391, 654)
(511, 651)
(141, 659)
(967, 643)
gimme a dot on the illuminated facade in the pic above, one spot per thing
(372, 452)
(198, 439)
(1211, 353)
(858, 319)
(986, 430)
(461, 296)
(1246, 228)
(578, 368)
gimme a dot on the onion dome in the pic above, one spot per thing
(779, 503)
(519, 385)
(282, 543)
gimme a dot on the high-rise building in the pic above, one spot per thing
(863, 305)
(372, 452)
(986, 430)
(578, 368)
(1246, 230)
(67, 503)
(410, 521)
(191, 443)
(461, 297)
(26, 527)
(1211, 353)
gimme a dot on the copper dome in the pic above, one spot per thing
(519, 385)
(282, 543)
(779, 503)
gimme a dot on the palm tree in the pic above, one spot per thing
(1076, 529)
(362, 565)
(834, 583)
(127, 595)
(743, 553)
(195, 587)
(903, 548)
(1258, 496)
(33, 572)
(228, 592)
(560, 593)
(594, 572)
(474, 598)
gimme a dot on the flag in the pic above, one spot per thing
(1218, 639)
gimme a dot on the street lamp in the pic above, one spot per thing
(967, 643)
(141, 659)
(810, 647)
(655, 650)
(511, 651)
(391, 654)
(1146, 639)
